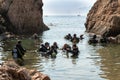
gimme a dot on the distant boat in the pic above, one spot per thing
(50, 24)
(78, 15)
(46, 15)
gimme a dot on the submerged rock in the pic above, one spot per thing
(11, 71)
(104, 18)
(22, 16)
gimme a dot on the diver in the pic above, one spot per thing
(75, 51)
(75, 39)
(20, 50)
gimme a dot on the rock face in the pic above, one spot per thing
(104, 18)
(11, 71)
(22, 16)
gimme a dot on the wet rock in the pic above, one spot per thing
(7, 36)
(104, 18)
(11, 71)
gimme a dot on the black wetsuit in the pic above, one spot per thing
(20, 51)
(75, 52)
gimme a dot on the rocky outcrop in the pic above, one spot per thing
(11, 71)
(22, 16)
(104, 18)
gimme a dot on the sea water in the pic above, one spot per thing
(95, 62)
(86, 66)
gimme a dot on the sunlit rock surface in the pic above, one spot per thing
(21, 16)
(104, 18)
(11, 71)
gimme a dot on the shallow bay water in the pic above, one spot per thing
(95, 62)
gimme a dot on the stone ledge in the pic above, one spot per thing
(9, 70)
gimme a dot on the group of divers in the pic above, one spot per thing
(51, 51)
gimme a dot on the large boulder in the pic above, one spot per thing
(22, 16)
(11, 71)
(104, 18)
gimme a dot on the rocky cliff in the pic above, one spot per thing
(104, 18)
(21, 16)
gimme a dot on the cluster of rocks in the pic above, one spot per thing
(11, 71)
(104, 18)
(109, 39)
(21, 16)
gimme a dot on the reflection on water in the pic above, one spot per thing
(95, 62)
(110, 62)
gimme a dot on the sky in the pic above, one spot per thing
(67, 7)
